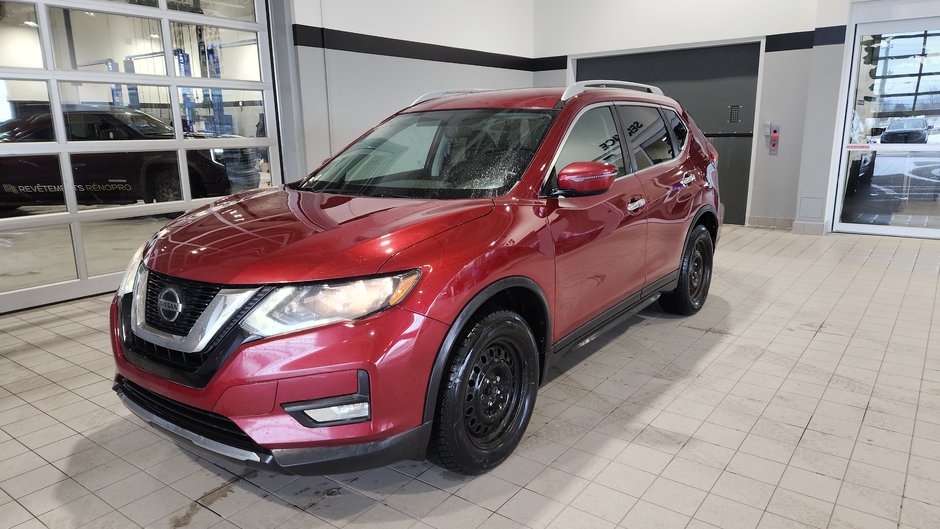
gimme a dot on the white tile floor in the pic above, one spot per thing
(805, 394)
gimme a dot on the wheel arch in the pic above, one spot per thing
(517, 293)
(708, 217)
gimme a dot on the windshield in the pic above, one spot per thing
(908, 123)
(441, 154)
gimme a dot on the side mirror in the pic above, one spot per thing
(585, 178)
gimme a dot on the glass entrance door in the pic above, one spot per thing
(891, 152)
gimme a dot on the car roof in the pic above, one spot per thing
(535, 98)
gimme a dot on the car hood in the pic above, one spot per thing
(282, 235)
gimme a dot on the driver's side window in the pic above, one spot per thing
(593, 138)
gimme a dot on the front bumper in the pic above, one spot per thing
(304, 461)
(257, 386)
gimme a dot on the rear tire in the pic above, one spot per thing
(488, 394)
(695, 275)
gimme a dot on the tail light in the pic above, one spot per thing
(711, 174)
(712, 153)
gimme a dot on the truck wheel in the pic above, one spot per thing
(488, 394)
(165, 186)
(695, 275)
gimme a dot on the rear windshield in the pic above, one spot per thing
(442, 154)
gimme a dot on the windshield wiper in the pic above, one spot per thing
(387, 194)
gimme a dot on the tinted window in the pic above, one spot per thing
(679, 130)
(593, 138)
(90, 126)
(646, 134)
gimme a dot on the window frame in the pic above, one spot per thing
(546, 189)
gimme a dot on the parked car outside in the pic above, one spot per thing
(906, 130)
(104, 178)
(408, 297)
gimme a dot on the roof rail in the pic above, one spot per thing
(580, 86)
(441, 93)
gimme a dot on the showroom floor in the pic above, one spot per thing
(805, 394)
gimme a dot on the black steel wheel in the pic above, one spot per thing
(695, 275)
(487, 395)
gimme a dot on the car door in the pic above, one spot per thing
(670, 179)
(599, 240)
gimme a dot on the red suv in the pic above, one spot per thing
(407, 298)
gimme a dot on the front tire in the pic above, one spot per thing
(695, 275)
(488, 394)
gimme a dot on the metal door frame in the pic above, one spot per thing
(868, 19)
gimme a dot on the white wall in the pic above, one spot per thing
(782, 102)
(591, 26)
(348, 73)
(497, 26)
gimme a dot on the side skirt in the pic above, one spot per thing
(610, 318)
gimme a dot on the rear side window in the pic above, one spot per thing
(593, 138)
(646, 135)
(679, 130)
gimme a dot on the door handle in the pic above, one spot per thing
(636, 204)
(687, 179)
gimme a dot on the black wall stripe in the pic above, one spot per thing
(804, 40)
(333, 39)
(829, 35)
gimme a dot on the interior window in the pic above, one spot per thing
(406, 150)
(646, 134)
(593, 138)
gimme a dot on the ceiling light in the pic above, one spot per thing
(31, 24)
(154, 36)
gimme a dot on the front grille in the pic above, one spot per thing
(193, 296)
(205, 423)
(186, 362)
(191, 369)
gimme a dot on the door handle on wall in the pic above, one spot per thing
(687, 179)
(636, 204)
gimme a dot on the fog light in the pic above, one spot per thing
(343, 412)
(334, 411)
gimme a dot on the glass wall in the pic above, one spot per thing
(891, 174)
(115, 117)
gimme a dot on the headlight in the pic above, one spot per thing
(293, 308)
(216, 155)
(130, 275)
